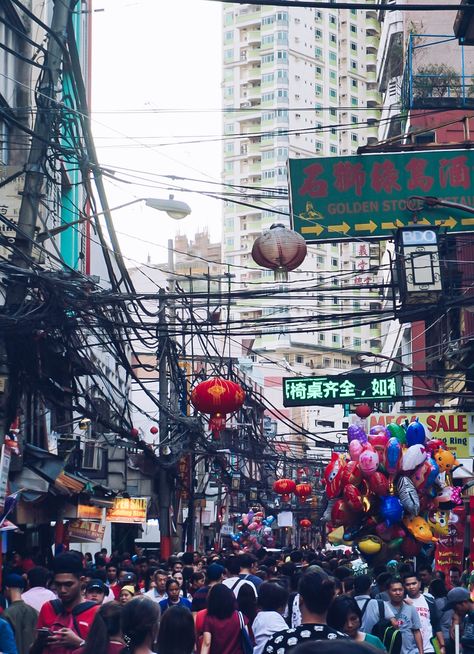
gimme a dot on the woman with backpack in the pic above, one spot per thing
(345, 615)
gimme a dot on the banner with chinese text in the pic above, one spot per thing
(368, 196)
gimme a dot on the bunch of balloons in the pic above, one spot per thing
(394, 490)
(254, 530)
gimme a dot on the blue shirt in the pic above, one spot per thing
(164, 604)
(7, 639)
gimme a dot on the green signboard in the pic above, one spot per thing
(368, 196)
(341, 389)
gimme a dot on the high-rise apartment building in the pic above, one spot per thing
(298, 83)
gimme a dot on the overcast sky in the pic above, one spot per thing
(155, 64)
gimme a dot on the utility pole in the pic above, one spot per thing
(164, 491)
(46, 112)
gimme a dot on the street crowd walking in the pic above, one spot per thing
(298, 601)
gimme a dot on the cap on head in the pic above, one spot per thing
(456, 596)
(215, 572)
(96, 584)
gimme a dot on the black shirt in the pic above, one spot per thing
(283, 641)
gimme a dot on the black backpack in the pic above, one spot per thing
(390, 636)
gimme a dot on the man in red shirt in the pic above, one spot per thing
(63, 624)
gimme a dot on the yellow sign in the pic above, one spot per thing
(90, 512)
(131, 510)
(455, 429)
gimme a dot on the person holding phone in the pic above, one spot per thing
(64, 624)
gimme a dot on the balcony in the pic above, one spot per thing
(390, 52)
(251, 17)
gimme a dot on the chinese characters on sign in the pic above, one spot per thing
(339, 389)
(10, 201)
(334, 198)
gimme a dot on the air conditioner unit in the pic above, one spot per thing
(92, 456)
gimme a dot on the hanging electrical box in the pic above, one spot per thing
(419, 273)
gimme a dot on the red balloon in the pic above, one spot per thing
(153, 430)
(353, 498)
(378, 484)
(434, 445)
(305, 523)
(340, 514)
(363, 410)
(134, 432)
(332, 475)
(379, 443)
(351, 474)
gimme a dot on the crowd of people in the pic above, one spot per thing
(301, 602)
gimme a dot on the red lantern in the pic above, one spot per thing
(134, 432)
(217, 396)
(363, 410)
(303, 491)
(305, 523)
(280, 249)
(153, 430)
(284, 487)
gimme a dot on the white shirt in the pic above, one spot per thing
(38, 596)
(235, 584)
(155, 596)
(423, 610)
(266, 624)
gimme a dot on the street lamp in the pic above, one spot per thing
(174, 208)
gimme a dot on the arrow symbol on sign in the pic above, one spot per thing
(397, 223)
(340, 229)
(366, 227)
(449, 222)
(314, 229)
(421, 221)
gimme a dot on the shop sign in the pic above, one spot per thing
(455, 429)
(369, 196)
(85, 531)
(129, 510)
(90, 512)
(340, 389)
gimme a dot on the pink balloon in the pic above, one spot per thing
(368, 462)
(252, 526)
(355, 449)
(245, 520)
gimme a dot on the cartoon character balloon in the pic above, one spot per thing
(355, 449)
(355, 432)
(378, 484)
(353, 498)
(332, 475)
(446, 460)
(368, 462)
(414, 456)
(393, 456)
(419, 529)
(438, 522)
(351, 473)
(379, 443)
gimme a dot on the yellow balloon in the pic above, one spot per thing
(370, 545)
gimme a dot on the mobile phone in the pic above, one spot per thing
(43, 632)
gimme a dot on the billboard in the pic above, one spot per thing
(368, 196)
(128, 509)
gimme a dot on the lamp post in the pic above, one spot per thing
(174, 208)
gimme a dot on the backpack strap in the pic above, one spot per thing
(434, 616)
(57, 606)
(363, 609)
(381, 609)
(237, 582)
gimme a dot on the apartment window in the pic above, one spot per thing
(268, 97)
(354, 29)
(268, 58)
(318, 53)
(282, 93)
(268, 20)
(318, 33)
(267, 77)
(357, 342)
(334, 262)
(332, 19)
(354, 138)
(282, 75)
(321, 337)
(354, 12)
(282, 17)
(338, 363)
(319, 70)
(282, 55)
(354, 83)
(267, 39)
(229, 147)
(318, 146)
(318, 89)
(320, 258)
(318, 15)
(353, 47)
(228, 54)
(229, 18)
(333, 94)
(335, 300)
(282, 37)
(333, 149)
(229, 91)
(333, 38)
(332, 112)
(353, 64)
(335, 338)
(332, 75)
(354, 120)
(299, 358)
(354, 101)
(332, 58)
(4, 149)
(228, 36)
(282, 153)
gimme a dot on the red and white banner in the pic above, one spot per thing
(449, 551)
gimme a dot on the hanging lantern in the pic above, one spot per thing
(284, 487)
(303, 491)
(363, 410)
(217, 397)
(305, 523)
(153, 430)
(280, 249)
(134, 432)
